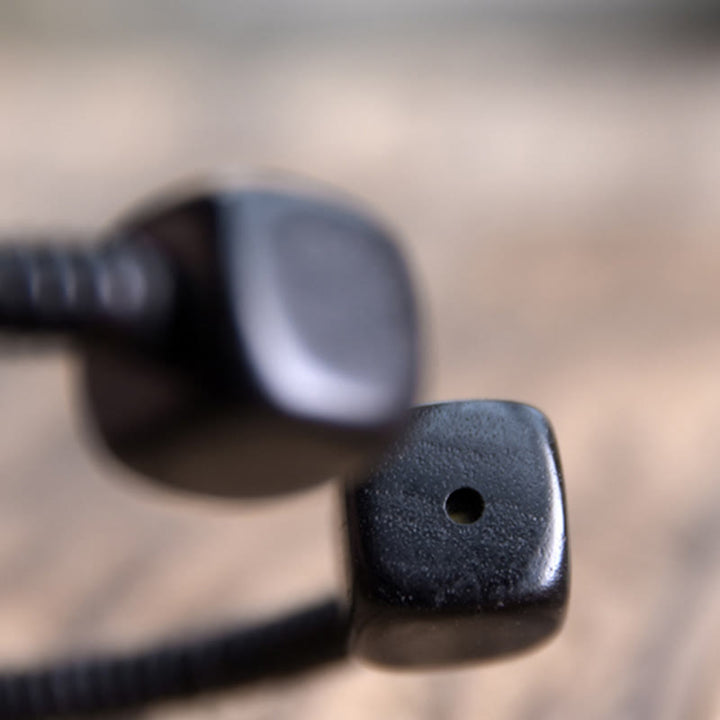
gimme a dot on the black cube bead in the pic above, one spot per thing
(457, 539)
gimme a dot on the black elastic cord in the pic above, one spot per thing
(124, 289)
(307, 639)
(121, 288)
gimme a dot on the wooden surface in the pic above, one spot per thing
(558, 201)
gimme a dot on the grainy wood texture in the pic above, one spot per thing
(558, 196)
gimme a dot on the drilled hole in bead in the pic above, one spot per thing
(464, 506)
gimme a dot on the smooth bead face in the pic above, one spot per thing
(324, 308)
(458, 546)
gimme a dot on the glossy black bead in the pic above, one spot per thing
(291, 355)
(458, 546)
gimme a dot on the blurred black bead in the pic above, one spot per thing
(290, 356)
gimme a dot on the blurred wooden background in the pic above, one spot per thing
(557, 192)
